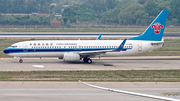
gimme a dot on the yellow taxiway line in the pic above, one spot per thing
(2, 58)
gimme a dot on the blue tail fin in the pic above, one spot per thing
(155, 30)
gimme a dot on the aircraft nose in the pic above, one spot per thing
(5, 51)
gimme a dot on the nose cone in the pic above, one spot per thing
(6, 51)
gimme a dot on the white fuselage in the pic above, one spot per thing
(56, 48)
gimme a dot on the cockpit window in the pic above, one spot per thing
(14, 46)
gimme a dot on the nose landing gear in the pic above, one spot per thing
(20, 61)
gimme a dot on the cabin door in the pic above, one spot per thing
(139, 46)
(25, 47)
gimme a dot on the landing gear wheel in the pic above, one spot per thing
(20, 61)
(89, 61)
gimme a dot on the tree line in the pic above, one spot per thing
(124, 12)
(25, 20)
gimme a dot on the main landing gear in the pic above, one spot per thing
(20, 61)
(87, 60)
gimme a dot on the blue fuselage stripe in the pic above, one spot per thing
(35, 50)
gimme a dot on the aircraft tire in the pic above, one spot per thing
(20, 61)
(89, 61)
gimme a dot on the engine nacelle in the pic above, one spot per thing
(71, 57)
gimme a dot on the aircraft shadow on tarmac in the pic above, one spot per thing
(95, 62)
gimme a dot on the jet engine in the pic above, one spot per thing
(71, 57)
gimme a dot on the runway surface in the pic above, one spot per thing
(74, 91)
(110, 63)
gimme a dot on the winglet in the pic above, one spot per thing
(121, 45)
(99, 38)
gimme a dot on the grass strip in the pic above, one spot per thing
(111, 76)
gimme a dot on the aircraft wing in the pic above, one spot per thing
(101, 52)
(93, 53)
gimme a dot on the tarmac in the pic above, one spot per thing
(74, 91)
(104, 63)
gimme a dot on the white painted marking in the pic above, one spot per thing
(38, 66)
(132, 93)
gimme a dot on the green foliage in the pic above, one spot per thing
(110, 16)
(81, 12)
(151, 8)
(175, 9)
(65, 20)
(24, 20)
(141, 1)
(126, 18)
(105, 11)
(24, 6)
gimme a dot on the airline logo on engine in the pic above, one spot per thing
(157, 27)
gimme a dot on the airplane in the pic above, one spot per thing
(76, 50)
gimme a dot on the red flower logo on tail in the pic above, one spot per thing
(157, 27)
